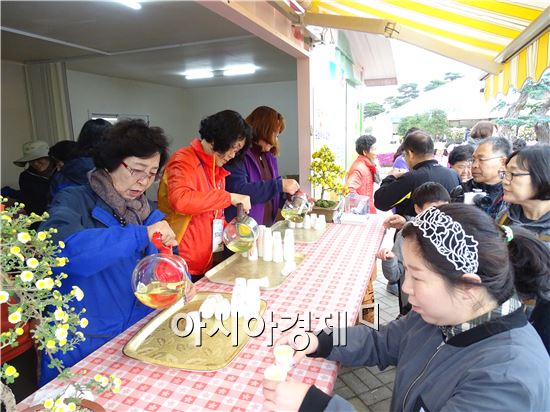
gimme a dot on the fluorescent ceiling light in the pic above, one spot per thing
(132, 4)
(238, 70)
(198, 74)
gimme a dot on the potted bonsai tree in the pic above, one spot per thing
(29, 292)
(327, 177)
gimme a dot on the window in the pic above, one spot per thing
(115, 117)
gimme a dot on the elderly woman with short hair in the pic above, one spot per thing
(107, 227)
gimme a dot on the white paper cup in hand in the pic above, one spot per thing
(275, 373)
(284, 356)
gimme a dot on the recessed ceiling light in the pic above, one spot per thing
(132, 4)
(238, 70)
(198, 74)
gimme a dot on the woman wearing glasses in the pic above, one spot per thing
(192, 190)
(107, 227)
(526, 185)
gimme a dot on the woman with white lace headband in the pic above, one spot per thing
(467, 344)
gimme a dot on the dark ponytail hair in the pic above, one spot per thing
(525, 255)
(531, 260)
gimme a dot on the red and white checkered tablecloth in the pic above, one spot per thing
(332, 278)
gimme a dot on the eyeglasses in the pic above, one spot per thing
(510, 175)
(140, 174)
(484, 159)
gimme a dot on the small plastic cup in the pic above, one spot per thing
(284, 356)
(275, 373)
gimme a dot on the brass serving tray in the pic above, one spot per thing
(156, 343)
(300, 235)
(240, 267)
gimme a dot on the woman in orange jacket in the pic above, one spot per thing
(362, 174)
(192, 189)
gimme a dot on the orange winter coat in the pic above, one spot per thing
(360, 179)
(192, 194)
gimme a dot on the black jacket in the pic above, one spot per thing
(493, 191)
(34, 190)
(397, 192)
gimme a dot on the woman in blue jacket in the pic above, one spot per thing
(257, 174)
(466, 345)
(107, 226)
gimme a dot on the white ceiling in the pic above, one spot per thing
(153, 44)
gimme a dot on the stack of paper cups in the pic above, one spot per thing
(313, 219)
(320, 223)
(307, 222)
(268, 245)
(278, 255)
(238, 298)
(252, 298)
(260, 242)
(288, 247)
(253, 252)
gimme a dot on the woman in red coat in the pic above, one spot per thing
(362, 175)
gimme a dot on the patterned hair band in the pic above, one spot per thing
(449, 239)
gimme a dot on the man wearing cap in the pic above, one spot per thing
(34, 182)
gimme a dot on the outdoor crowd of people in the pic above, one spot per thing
(470, 257)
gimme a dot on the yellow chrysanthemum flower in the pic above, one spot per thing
(24, 237)
(4, 296)
(48, 403)
(40, 284)
(61, 334)
(83, 322)
(62, 342)
(60, 262)
(15, 317)
(71, 406)
(19, 331)
(104, 381)
(50, 344)
(26, 276)
(98, 377)
(77, 293)
(61, 244)
(10, 371)
(14, 250)
(59, 314)
(116, 389)
(32, 263)
(49, 283)
(41, 236)
(6, 217)
(61, 408)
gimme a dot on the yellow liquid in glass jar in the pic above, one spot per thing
(294, 215)
(239, 245)
(160, 295)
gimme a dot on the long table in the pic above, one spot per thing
(332, 280)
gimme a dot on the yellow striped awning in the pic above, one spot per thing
(529, 63)
(475, 32)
